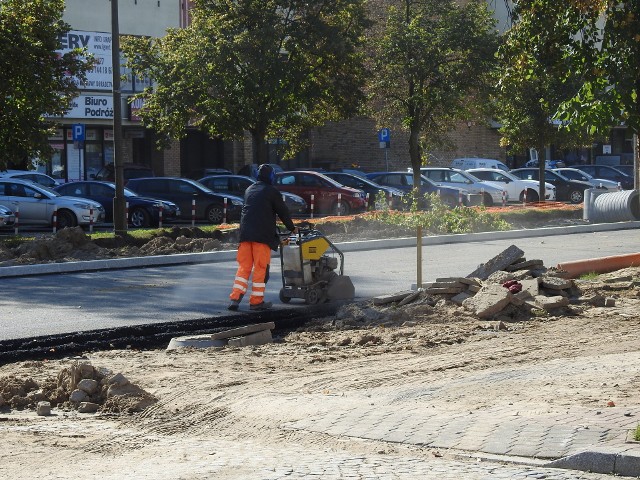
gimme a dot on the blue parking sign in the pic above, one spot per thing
(78, 132)
(384, 135)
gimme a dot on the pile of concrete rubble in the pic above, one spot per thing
(508, 279)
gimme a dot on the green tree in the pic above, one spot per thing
(535, 77)
(35, 80)
(608, 60)
(273, 68)
(432, 64)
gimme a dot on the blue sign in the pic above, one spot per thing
(78, 132)
(384, 135)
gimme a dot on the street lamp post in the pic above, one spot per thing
(119, 219)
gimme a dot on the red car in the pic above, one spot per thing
(325, 192)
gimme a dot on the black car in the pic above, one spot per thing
(129, 171)
(237, 184)
(566, 190)
(143, 211)
(370, 188)
(209, 205)
(404, 181)
(608, 173)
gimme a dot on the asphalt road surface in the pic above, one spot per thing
(66, 303)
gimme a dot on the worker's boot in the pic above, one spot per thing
(235, 304)
(261, 306)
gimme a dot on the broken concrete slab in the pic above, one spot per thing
(523, 265)
(555, 283)
(490, 300)
(499, 262)
(474, 288)
(549, 303)
(531, 286)
(258, 338)
(460, 298)
(394, 297)
(500, 277)
(444, 290)
(466, 281)
(247, 329)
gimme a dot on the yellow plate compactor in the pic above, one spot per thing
(313, 269)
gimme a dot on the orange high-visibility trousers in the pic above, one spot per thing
(251, 256)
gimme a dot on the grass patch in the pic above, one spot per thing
(589, 276)
(636, 434)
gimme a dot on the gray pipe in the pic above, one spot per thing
(610, 207)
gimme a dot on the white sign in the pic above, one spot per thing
(606, 149)
(91, 106)
(98, 44)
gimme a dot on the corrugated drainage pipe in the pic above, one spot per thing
(615, 207)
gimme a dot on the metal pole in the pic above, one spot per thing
(119, 221)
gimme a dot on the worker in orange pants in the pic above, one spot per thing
(258, 236)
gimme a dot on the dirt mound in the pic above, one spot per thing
(81, 387)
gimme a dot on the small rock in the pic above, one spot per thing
(78, 396)
(118, 380)
(43, 409)
(609, 302)
(88, 407)
(88, 385)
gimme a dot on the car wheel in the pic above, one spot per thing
(532, 196)
(341, 208)
(66, 219)
(215, 214)
(487, 200)
(140, 218)
(576, 196)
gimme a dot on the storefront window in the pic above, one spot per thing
(93, 153)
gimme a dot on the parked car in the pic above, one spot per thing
(576, 174)
(205, 172)
(143, 211)
(237, 184)
(515, 187)
(608, 173)
(251, 170)
(325, 192)
(129, 171)
(370, 188)
(627, 169)
(547, 164)
(182, 191)
(456, 178)
(31, 176)
(37, 204)
(472, 162)
(566, 190)
(7, 217)
(404, 181)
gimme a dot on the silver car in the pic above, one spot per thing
(7, 218)
(575, 174)
(36, 205)
(493, 193)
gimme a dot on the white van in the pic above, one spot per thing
(468, 163)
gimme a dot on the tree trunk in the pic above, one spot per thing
(259, 147)
(414, 155)
(542, 162)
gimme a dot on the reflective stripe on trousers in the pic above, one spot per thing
(252, 256)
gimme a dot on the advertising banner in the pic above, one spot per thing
(98, 44)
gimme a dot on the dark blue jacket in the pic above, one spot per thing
(262, 202)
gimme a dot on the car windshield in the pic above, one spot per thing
(47, 190)
(199, 186)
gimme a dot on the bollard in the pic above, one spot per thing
(90, 220)
(390, 200)
(312, 204)
(339, 210)
(367, 200)
(55, 220)
(126, 215)
(160, 215)
(524, 197)
(482, 193)
(193, 212)
(460, 197)
(17, 215)
(619, 186)
(224, 211)
(504, 198)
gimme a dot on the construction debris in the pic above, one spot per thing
(506, 280)
(256, 334)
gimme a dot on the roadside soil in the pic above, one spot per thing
(222, 412)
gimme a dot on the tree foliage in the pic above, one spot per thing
(608, 60)
(35, 80)
(270, 67)
(431, 68)
(536, 74)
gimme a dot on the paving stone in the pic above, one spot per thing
(490, 300)
(499, 262)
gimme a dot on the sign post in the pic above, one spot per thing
(78, 142)
(384, 137)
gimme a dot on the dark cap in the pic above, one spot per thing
(266, 173)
